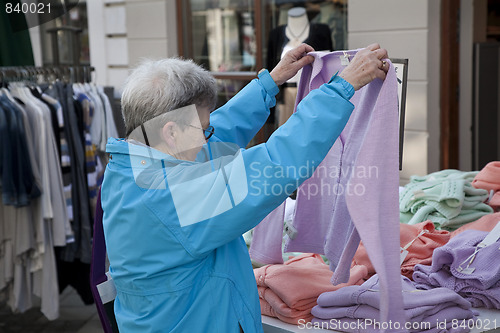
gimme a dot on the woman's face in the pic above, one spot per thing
(192, 136)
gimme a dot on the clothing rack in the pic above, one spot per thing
(56, 119)
(70, 74)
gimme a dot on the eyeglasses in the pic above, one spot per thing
(208, 132)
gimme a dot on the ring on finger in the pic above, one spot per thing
(383, 63)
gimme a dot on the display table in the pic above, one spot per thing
(488, 319)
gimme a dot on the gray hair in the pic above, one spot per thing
(158, 86)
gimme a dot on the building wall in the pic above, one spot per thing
(151, 28)
(108, 41)
(407, 29)
(122, 32)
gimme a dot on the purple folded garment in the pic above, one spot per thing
(359, 305)
(447, 316)
(413, 315)
(482, 286)
(368, 293)
(489, 298)
(455, 253)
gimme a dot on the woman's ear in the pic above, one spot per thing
(169, 133)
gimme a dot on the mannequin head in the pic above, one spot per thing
(297, 12)
(297, 29)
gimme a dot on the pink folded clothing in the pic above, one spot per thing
(489, 179)
(280, 310)
(485, 223)
(289, 291)
(419, 240)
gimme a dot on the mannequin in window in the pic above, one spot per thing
(298, 30)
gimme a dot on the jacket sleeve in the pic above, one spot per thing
(273, 170)
(242, 116)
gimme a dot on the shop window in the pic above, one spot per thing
(332, 13)
(493, 21)
(223, 38)
(75, 15)
(234, 38)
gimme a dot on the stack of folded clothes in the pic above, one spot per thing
(447, 198)
(356, 309)
(417, 241)
(466, 265)
(485, 223)
(489, 179)
(289, 291)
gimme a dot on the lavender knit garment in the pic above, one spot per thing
(482, 286)
(355, 188)
(266, 241)
(427, 309)
(366, 326)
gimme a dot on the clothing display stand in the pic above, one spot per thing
(401, 66)
(46, 73)
(45, 139)
(74, 72)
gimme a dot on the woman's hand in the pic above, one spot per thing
(291, 63)
(366, 65)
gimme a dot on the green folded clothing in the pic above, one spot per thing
(447, 198)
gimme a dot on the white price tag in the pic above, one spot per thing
(402, 255)
(467, 270)
(344, 60)
(290, 230)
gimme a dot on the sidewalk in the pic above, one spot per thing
(75, 317)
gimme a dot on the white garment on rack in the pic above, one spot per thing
(58, 213)
(41, 148)
(110, 121)
(30, 138)
(98, 126)
(28, 262)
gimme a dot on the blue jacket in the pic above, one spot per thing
(173, 231)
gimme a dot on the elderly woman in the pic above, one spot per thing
(180, 191)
